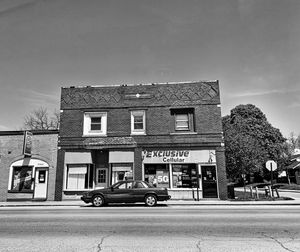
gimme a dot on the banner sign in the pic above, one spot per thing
(178, 156)
(27, 145)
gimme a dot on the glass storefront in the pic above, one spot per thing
(80, 176)
(157, 175)
(184, 176)
(121, 172)
(22, 179)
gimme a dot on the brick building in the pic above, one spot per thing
(28, 165)
(169, 134)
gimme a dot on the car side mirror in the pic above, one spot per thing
(112, 189)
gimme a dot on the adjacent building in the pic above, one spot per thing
(28, 165)
(169, 134)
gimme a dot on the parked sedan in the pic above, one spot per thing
(127, 192)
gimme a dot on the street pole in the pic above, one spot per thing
(272, 181)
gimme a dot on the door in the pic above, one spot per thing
(121, 192)
(209, 181)
(40, 184)
(101, 177)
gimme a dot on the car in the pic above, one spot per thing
(130, 191)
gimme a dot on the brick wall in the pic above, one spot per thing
(221, 169)
(44, 147)
(157, 101)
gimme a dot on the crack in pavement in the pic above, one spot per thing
(198, 245)
(101, 242)
(278, 242)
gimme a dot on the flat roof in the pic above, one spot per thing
(141, 84)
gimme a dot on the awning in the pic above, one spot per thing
(121, 157)
(122, 168)
(78, 158)
(77, 170)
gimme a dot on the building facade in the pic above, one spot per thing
(28, 165)
(167, 134)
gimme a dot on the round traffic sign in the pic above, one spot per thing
(271, 165)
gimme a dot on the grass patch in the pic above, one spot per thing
(246, 196)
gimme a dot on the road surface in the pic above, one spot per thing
(163, 228)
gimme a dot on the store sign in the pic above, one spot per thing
(27, 145)
(178, 156)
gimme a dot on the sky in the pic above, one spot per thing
(251, 46)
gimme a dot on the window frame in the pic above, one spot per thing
(87, 124)
(11, 189)
(89, 175)
(189, 112)
(134, 113)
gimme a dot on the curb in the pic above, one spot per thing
(205, 203)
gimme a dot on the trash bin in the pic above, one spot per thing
(230, 191)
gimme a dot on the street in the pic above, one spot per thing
(138, 228)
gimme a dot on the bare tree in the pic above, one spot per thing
(293, 142)
(40, 119)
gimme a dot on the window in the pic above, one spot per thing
(157, 175)
(123, 185)
(183, 119)
(22, 179)
(138, 122)
(95, 123)
(79, 177)
(184, 176)
(101, 176)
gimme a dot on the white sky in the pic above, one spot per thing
(251, 46)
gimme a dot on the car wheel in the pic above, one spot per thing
(98, 201)
(150, 200)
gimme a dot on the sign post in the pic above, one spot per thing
(271, 165)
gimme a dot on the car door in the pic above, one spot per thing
(121, 193)
(138, 191)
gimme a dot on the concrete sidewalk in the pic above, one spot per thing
(170, 203)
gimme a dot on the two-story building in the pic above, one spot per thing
(169, 134)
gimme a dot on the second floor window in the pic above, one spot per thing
(138, 121)
(183, 120)
(94, 123)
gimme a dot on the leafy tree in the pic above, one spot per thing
(250, 140)
(40, 119)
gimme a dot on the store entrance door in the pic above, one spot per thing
(209, 181)
(40, 184)
(101, 177)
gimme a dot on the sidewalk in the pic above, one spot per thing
(79, 203)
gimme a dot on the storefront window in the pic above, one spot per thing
(184, 176)
(22, 179)
(121, 172)
(79, 177)
(157, 175)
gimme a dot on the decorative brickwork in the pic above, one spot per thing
(137, 95)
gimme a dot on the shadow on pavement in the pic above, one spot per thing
(125, 205)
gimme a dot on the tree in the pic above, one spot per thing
(40, 119)
(250, 140)
(293, 142)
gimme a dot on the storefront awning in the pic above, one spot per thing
(121, 157)
(78, 158)
(77, 170)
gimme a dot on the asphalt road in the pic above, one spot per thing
(163, 228)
